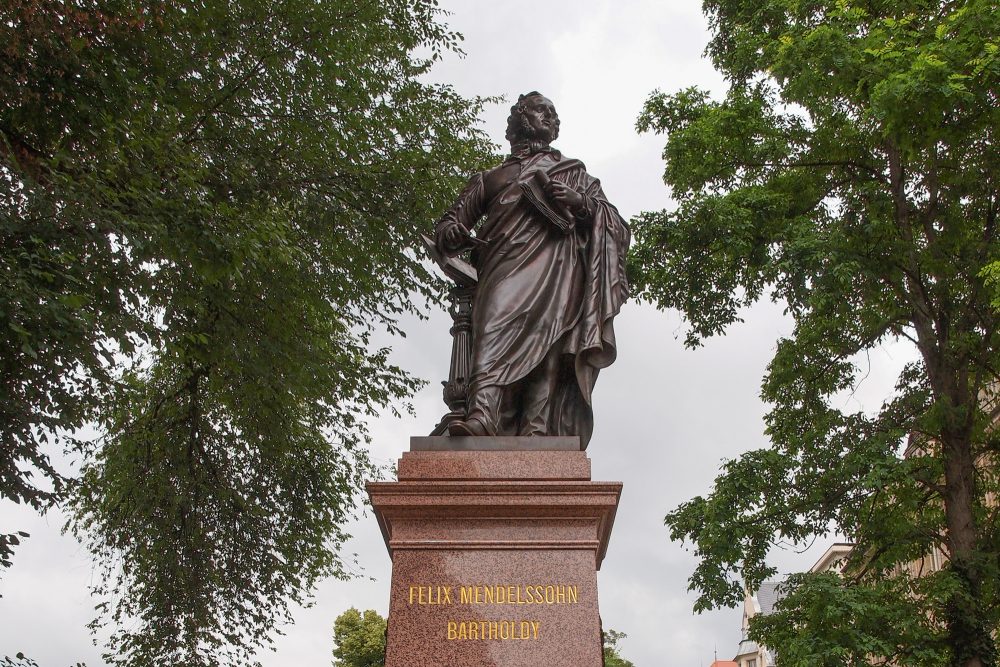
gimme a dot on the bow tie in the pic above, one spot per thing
(528, 148)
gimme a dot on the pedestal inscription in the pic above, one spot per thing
(495, 556)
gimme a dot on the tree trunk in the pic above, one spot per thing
(970, 637)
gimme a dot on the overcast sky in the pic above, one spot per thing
(665, 416)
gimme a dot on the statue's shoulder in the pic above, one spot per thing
(566, 164)
(494, 170)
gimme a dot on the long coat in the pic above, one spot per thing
(541, 287)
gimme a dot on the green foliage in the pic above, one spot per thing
(849, 172)
(205, 212)
(359, 639)
(859, 625)
(991, 275)
(20, 660)
(610, 640)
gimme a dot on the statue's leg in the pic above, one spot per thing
(484, 412)
(539, 390)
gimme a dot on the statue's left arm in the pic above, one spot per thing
(605, 238)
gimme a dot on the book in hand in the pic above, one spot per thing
(456, 268)
(534, 192)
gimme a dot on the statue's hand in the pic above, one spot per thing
(565, 195)
(452, 237)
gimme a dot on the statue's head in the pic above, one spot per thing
(533, 118)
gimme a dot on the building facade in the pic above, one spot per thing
(763, 601)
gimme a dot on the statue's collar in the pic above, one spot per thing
(525, 149)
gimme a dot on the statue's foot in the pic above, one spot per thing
(470, 426)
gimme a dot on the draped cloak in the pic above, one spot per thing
(540, 287)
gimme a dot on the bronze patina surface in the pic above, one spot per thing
(549, 252)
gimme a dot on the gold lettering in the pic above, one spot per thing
(494, 594)
(411, 594)
(483, 630)
(420, 595)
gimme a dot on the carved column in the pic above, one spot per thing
(456, 388)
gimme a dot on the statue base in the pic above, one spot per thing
(495, 547)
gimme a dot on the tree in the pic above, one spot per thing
(612, 658)
(850, 172)
(205, 212)
(20, 660)
(359, 639)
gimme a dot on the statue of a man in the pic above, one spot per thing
(551, 261)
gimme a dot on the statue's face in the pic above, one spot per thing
(541, 118)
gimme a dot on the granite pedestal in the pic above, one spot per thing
(495, 546)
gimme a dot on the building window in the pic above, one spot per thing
(752, 662)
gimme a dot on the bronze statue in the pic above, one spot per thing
(550, 257)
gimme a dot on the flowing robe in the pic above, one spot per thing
(541, 288)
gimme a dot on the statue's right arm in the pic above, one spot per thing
(452, 230)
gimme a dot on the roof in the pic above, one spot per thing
(833, 558)
(768, 595)
(724, 663)
(747, 647)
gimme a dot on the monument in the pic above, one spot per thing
(495, 528)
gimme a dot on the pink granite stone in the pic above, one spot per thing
(508, 443)
(495, 558)
(484, 465)
(562, 633)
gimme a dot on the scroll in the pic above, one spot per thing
(534, 191)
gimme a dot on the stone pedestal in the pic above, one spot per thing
(495, 546)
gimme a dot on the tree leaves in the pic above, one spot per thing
(359, 639)
(850, 173)
(612, 658)
(206, 212)
(849, 624)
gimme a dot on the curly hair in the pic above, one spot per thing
(517, 124)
